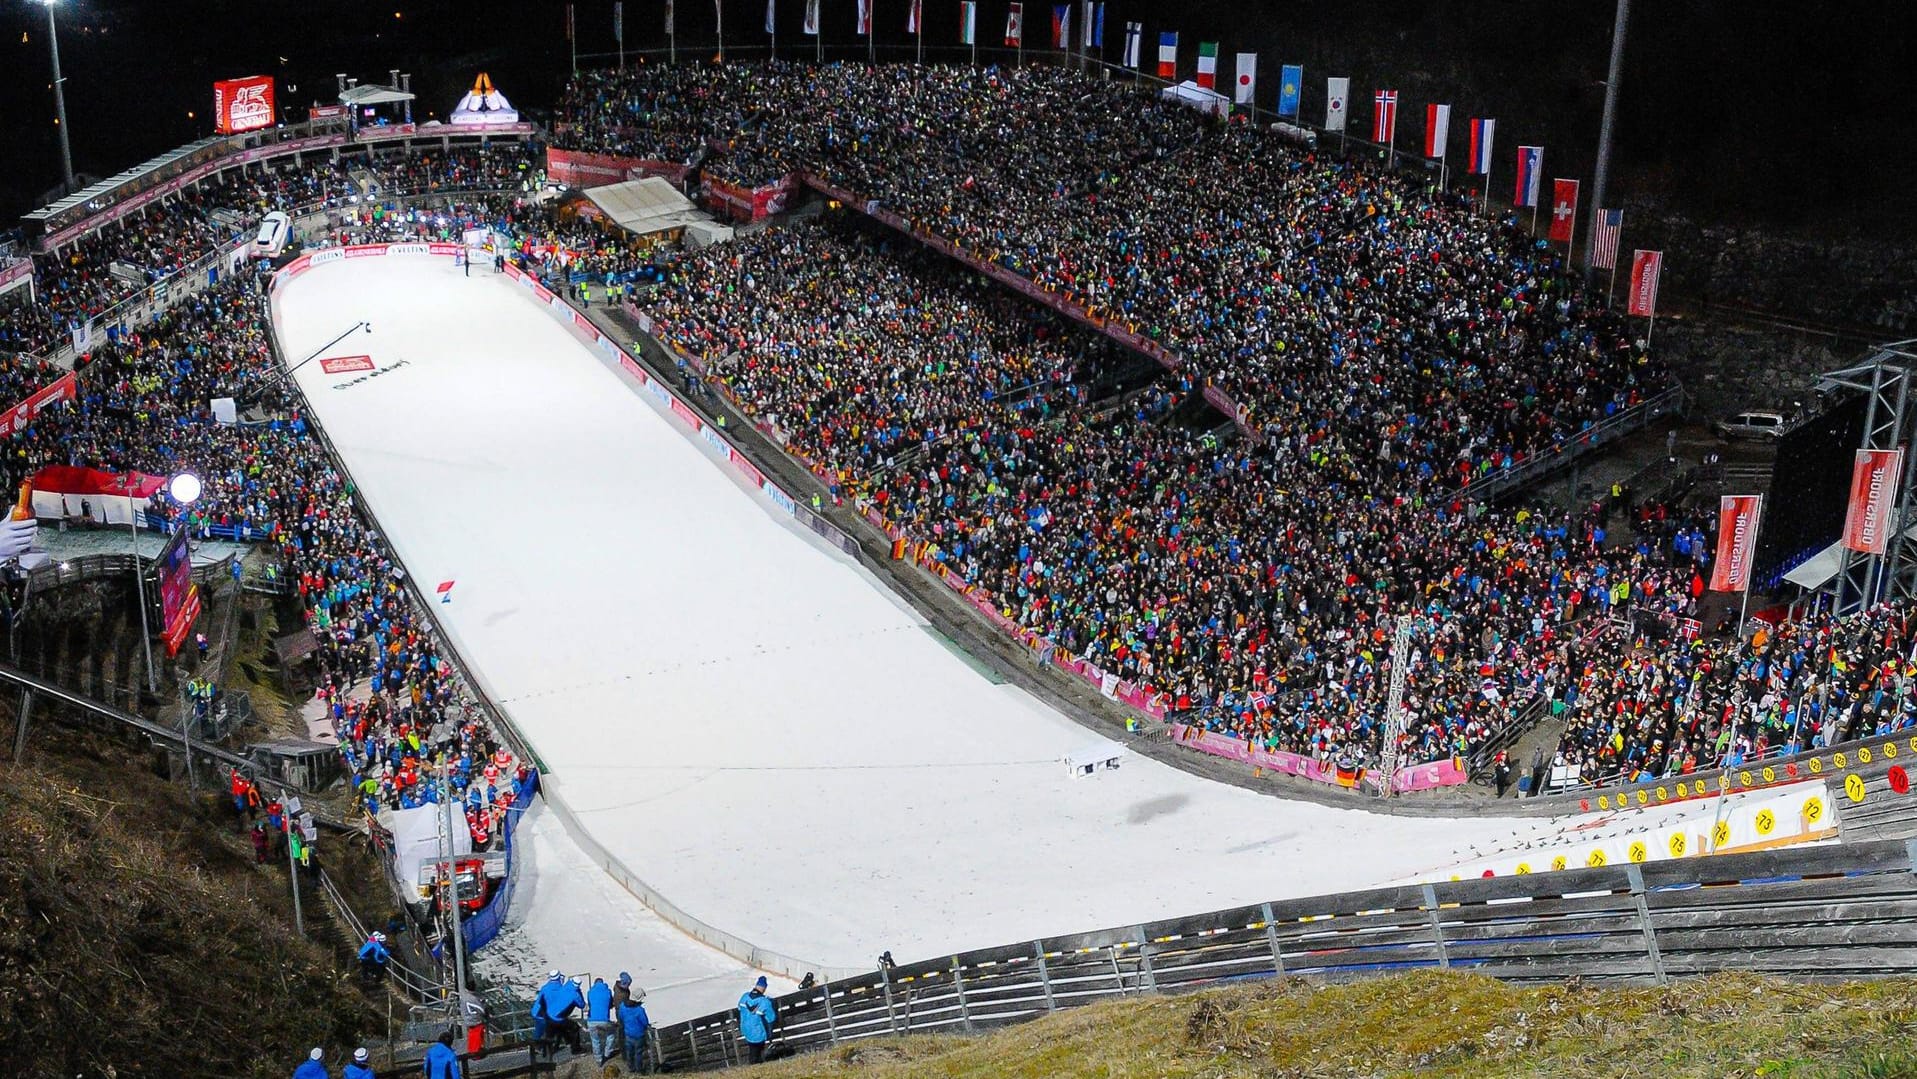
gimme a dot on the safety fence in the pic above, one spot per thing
(488, 920)
(1839, 911)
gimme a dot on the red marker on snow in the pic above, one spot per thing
(445, 591)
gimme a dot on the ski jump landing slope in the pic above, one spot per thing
(753, 724)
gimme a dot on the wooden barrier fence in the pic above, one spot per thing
(1830, 912)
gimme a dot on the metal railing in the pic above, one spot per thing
(1833, 911)
(1576, 445)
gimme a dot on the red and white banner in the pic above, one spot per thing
(20, 416)
(326, 112)
(581, 169)
(1015, 25)
(243, 104)
(1645, 267)
(1437, 130)
(339, 365)
(1737, 519)
(1873, 490)
(1564, 209)
(750, 204)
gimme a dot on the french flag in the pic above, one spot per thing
(1481, 132)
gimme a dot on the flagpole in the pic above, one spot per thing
(1487, 182)
(719, 11)
(871, 20)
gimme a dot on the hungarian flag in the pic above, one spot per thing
(1481, 132)
(1564, 209)
(1437, 129)
(1530, 173)
(1737, 520)
(1247, 68)
(1061, 26)
(1168, 55)
(1384, 117)
(1207, 64)
(968, 22)
(912, 17)
(1645, 266)
(1604, 236)
(1015, 25)
(1134, 34)
(1337, 103)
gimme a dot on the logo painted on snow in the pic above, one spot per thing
(335, 365)
(386, 370)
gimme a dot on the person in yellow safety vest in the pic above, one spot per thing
(816, 504)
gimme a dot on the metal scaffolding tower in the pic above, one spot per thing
(1394, 706)
(1886, 381)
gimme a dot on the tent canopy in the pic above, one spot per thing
(646, 205)
(1822, 568)
(1190, 93)
(373, 95)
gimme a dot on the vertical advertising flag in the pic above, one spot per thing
(1015, 25)
(1245, 67)
(1291, 80)
(1564, 209)
(1737, 519)
(812, 17)
(1207, 64)
(1061, 26)
(1384, 117)
(1530, 175)
(1644, 270)
(1605, 230)
(1337, 103)
(1481, 132)
(968, 22)
(1098, 27)
(1873, 487)
(1437, 129)
(1168, 55)
(1134, 35)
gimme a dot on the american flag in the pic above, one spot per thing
(1604, 238)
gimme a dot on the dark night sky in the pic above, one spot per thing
(1736, 111)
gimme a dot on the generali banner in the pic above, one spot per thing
(1737, 517)
(243, 104)
(1873, 488)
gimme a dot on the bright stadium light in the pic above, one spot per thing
(185, 488)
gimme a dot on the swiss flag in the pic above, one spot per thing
(1564, 209)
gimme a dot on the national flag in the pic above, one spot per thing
(1168, 54)
(812, 17)
(865, 17)
(1384, 117)
(1245, 65)
(1564, 209)
(1134, 35)
(1481, 132)
(1737, 519)
(912, 17)
(1645, 267)
(1291, 81)
(1604, 234)
(719, 13)
(968, 22)
(445, 591)
(1098, 27)
(1437, 130)
(1015, 25)
(769, 7)
(1530, 175)
(1207, 64)
(1061, 26)
(1337, 103)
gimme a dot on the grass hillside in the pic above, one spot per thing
(1429, 1025)
(138, 939)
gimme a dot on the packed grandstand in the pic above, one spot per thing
(1387, 343)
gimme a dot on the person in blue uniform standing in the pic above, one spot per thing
(756, 1016)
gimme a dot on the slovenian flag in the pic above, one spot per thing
(1168, 54)
(1530, 172)
(1207, 64)
(1481, 132)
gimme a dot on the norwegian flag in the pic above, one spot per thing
(1564, 210)
(1384, 117)
(1481, 133)
(1604, 235)
(1015, 25)
(1437, 129)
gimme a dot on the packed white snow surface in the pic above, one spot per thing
(568, 915)
(750, 722)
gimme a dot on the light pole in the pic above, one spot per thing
(185, 489)
(139, 583)
(60, 99)
(1603, 172)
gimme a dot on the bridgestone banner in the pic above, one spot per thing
(1737, 520)
(1873, 491)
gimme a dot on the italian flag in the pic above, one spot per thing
(1207, 63)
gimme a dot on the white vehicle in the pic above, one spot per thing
(276, 231)
(1765, 426)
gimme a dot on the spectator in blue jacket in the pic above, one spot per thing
(634, 1021)
(311, 1068)
(756, 1016)
(360, 1068)
(441, 1061)
(553, 1011)
(599, 1021)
